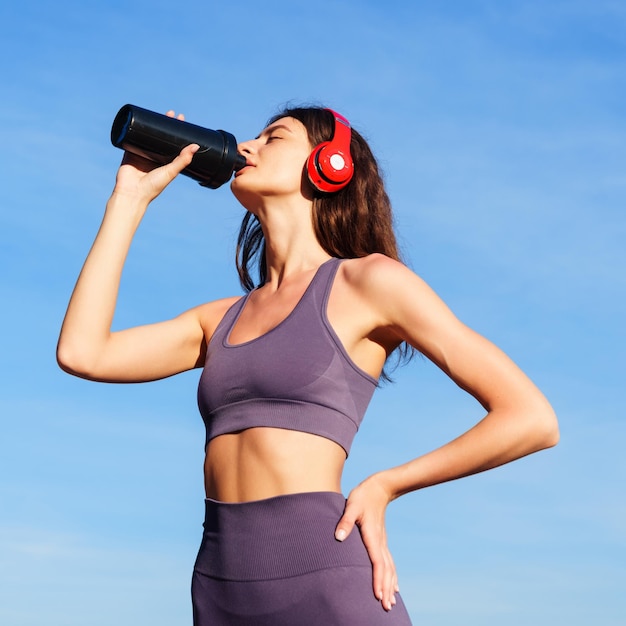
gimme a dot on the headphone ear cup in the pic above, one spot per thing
(313, 171)
(328, 168)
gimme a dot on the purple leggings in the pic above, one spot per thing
(276, 562)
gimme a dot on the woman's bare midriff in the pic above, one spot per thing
(260, 463)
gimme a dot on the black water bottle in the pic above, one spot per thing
(160, 138)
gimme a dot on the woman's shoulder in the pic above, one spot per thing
(387, 285)
(374, 271)
(211, 313)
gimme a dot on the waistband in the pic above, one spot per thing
(289, 414)
(276, 538)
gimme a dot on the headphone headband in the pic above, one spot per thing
(329, 166)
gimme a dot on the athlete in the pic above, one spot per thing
(288, 371)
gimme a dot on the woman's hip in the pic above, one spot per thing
(276, 562)
(277, 537)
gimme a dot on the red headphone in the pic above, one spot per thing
(329, 167)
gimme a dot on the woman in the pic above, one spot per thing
(289, 370)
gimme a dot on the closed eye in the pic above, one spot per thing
(270, 132)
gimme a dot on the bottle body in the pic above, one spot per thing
(160, 138)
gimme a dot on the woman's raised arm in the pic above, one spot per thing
(87, 347)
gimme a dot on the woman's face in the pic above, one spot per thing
(274, 163)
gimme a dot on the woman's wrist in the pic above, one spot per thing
(397, 481)
(126, 204)
(384, 483)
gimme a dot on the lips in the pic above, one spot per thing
(246, 166)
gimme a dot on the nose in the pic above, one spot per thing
(247, 147)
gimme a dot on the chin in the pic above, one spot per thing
(246, 197)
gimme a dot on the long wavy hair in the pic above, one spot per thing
(350, 223)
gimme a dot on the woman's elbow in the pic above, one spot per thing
(554, 434)
(72, 361)
(546, 427)
(65, 360)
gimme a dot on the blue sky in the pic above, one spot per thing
(500, 128)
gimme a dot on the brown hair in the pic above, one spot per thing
(351, 223)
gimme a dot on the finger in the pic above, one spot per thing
(379, 576)
(189, 151)
(161, 177)
(181, 161)
(172, 113)
(345, 524)
(344, 528)
(390, 582)
(373, 543)
(384, 579)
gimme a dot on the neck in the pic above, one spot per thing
(290, 242)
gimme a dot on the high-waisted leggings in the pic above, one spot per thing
(276, 562)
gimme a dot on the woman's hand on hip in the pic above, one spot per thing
(365, 508)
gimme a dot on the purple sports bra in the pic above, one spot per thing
(296, 376)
